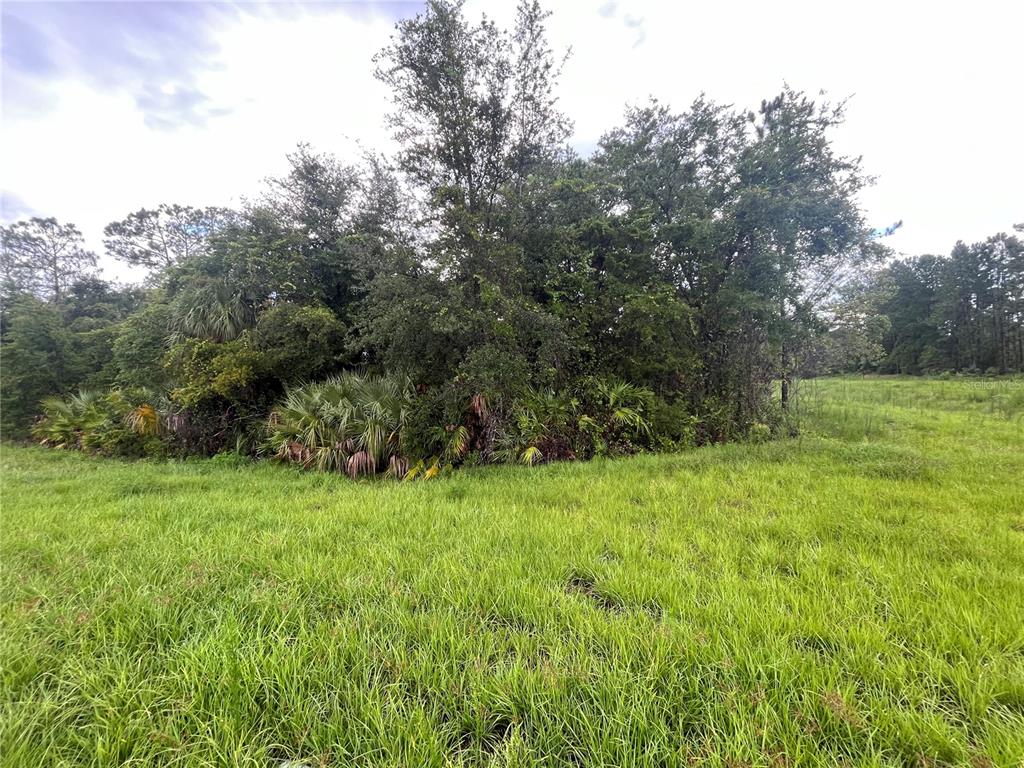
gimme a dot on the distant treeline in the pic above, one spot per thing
(485, 294)
(962, 313)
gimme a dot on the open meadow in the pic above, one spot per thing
(851, 596)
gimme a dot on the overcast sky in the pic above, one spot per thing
(109, 107)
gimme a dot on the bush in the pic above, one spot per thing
(543, 426)
(230, 459)
(119, 423)
(139, 347)
(759, 432)
(349, 423)
(36, 349)
(600, 417)
(207, 370)
(444, 424)
(673, 426)
(300, 343)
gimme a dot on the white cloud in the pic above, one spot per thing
(937, 106)
(93, 159)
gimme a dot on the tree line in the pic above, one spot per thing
(961, 313)
(530, 303)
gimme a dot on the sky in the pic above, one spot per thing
(108, 107)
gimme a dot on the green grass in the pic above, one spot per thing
(852, 596)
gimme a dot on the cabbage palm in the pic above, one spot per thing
(212, 311)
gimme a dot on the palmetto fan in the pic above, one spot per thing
(349, 423)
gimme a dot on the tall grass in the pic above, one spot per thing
(850, 597)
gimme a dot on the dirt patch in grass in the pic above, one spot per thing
(584, 585)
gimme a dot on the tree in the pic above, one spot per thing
(857, 327)
(91, 301)
(699, 256)
(36, 352)
(474, 114)
(164, 236)
(139, 347)
(750, 220)
(301, 343)
(480, 138)
(43, 256)
(213, 310)
(963, 312)
(800, 212)
(314, 205)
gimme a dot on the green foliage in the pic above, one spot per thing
(65, 421)
(215, 310)
(36, 360)
(759, 432)
(673, 425)
(696, 255)
(349, 423)
(118, 423)
(221, 393)
(52, 348)
(448, 426)
(654, 340)
(140, 345)
(206, 370)
(300, 343)
(929, 314)
(165, 236)
(43, 257)
(598, 418)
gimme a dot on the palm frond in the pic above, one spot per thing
(341, 418)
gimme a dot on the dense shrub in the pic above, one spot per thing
(140, 346)
(300, 343)
(597, 418)
(36, 352)
(349, 423)
(365, 425)
(206, 370)
(117, 423)
(448, 428)
(673, 426)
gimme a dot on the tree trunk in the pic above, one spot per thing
(785, 360)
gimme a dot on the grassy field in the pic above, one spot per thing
(852, 596)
